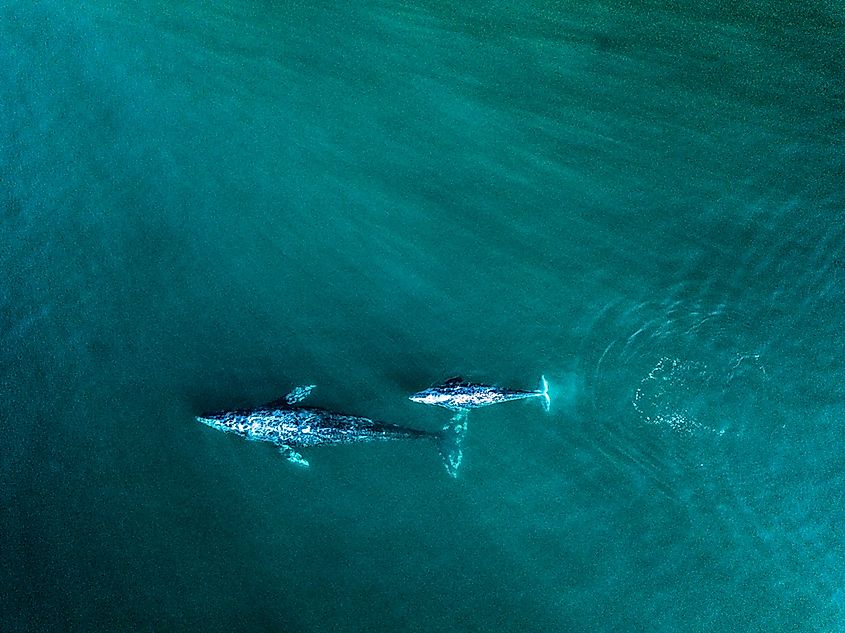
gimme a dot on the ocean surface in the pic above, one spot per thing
(204, 204)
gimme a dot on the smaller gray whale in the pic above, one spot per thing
(290, 426)
(459, 395)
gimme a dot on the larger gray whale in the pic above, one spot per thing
(290, 426)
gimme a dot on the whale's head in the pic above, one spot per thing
(222, 421)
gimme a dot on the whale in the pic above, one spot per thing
(290, 426)
(457, 394)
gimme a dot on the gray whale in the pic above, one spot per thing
(290, 426)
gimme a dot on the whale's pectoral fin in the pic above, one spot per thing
(299, 394)
(293, 457)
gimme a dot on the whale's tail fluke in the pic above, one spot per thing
(450, 442)
(544, 394)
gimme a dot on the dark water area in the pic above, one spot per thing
(205, 204)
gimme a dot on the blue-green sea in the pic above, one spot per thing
(206, 203)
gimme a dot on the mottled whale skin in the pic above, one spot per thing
(459, 395)
(289, 426)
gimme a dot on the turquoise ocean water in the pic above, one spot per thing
(206, 203)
